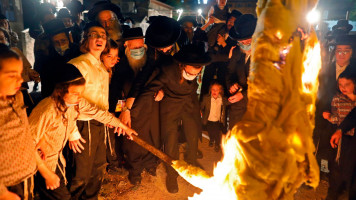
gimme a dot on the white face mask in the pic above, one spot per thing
(137, 53)
(187, 76)
(62, 49)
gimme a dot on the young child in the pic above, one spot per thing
(218, 15)
(213, 108)
(17, 151)
(341, 105)
(53, 121)
(110, 57)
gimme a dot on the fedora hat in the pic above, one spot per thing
(75, 6)
(133, 33)
(54, 27)
(343, 24)
(63, 13)
(345, 40)
(191, 19)
(104, 5)
(193, 54)
(162, 32)
(244, 27)
(235, 13)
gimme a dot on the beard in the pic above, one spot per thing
(135, 64)
(114, 31)
(190, 36)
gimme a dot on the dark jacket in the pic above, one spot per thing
(205, 106)
(349, 122)
(221, 14)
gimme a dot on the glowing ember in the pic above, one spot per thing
(269, 154)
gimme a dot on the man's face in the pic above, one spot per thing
(96, 40)
(60, 39)
(3, 39)
(221, 2)
(110, 22)
(10, 76)
(230, 22)
(343, 54)
(4, 24)
(67, 22)
(135, 44)
(188, 29)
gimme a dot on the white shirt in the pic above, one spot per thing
(215, 109)
(339, 70)
(97, 81)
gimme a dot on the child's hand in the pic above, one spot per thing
(327, 115)
(76, 145)
(52, 181)
(335, 138)
(129, 132)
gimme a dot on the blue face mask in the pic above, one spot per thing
(137, 53)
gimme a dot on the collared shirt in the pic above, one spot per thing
(51, 131)
(215, 109)
(17, 149)
(97, 81)
(339, 70)
(341, 106)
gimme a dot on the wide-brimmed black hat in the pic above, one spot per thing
(75, 6)
(235, 13)
(343, 24)
(67, 73)
(104, 5)
(54, 27)
(191, 19)
(2, 16)
(244, 27)
(193, 54)
(162, 32)
(133, 33)
(92, 24)
(345, 40)
(152, 18)
(63, 13)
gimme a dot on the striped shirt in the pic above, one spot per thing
(17, 149)
(341, 106)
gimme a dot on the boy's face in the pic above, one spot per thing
(10, 76)
(346, 86)
(221, 2)
(111, 58)
(74, 94)
(215, 91)
(96, 41)
(343, 54)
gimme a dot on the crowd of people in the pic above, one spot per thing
(104, 80)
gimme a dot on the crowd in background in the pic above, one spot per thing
(103, 81)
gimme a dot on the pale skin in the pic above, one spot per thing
(343, 55)
(110, 22)
(61, 39)
(74, 96)
(346, 87)
(110, 59)
(10, 83)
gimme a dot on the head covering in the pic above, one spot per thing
(344, 25)
(75, 6)
(92, 24)
(244, 27)
(345, 40)
(152, 18)
(162, 32)
(191, 19)
(67, 73)
(2, 16)
(133, 33)
(128, 18)
(193, 54)
(63, 13)
(104, 5)
(235, 13)
(54, 27)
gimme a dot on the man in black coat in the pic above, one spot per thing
(239, 66)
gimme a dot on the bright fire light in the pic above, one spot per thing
(313, 16)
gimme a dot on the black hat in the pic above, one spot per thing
(67, 73)
(244, 27)
(2, 16)
(235, 13)
(54, 27)
(343, 23)
(152, 18)
(345, 40)
(133, 33)
(128, 18)
(162, 32)
(75, 6)
(191, 19)
(104, 5)
(92, 24)
(63, 13)
(193, 54)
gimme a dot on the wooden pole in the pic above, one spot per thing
(152, 149)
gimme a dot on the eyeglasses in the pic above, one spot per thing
(339, 52)
(97, 36)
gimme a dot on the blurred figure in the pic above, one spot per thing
(76, 8)
(63, 14)
(4, 23)
(129, 22)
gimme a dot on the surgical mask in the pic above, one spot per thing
(187, 76)
(245, 47)
(70, 104)
(137, 53)
(62, 49)
(128, 24)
